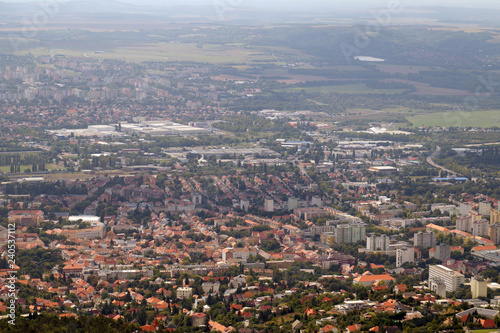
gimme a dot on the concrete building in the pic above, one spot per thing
(464, 209)
(494, 216)
(442, 252)
(350, 233)
(464, 223)
(184, 292)
(269, 205)
(245, 205)
(406, 254)
(210, 287)
(424, 239)
(310, 212)
(292, 203)
(97, 231)
(316, 201)
(196, 199)
(478, 287)
(484, 208)
(26, 217)
(327, 238)
(438, 287)
(451, 279)
(494, 233)
(475, 216)
(480, 228)
(240, 254)
(377, 243)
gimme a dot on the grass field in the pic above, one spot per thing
(209, 53)
(360, 88)
(403, 69)
(460, 119)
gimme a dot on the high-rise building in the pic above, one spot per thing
(464, 209)
(464, 223)
(350, 233)
(292, 203)
(495, 216)
(494, 233)
(245, 205)
(196, 198)
(475, 216)
(443, 251)
(451, 279)
(478, 286)
(480, 228)
(377, 243)
(406, 254)
(424, 239)
(484, 208)
(438, 287)
(269, 205)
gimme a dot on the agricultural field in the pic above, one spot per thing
(359, 88)
(485, 119)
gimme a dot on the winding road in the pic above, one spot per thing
(437, 166)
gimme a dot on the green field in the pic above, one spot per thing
(359, 88)
(486, 119)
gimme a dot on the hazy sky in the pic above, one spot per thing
(333, 4)
(303, 4)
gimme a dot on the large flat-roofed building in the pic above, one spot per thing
(451, 279)
(383, 170)
(369, 280)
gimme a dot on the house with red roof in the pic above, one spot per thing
(353, 328)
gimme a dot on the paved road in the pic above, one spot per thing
(437, 166)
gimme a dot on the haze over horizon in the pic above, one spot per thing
(300, 4)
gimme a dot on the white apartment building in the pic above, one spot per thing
(451, 279)
(377, 243)
(480, 228)
(269, 205)
(406, 254)
(184, 292)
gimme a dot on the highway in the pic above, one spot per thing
(437, 166)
